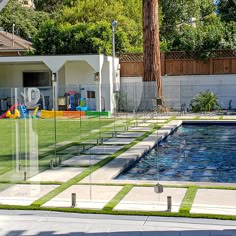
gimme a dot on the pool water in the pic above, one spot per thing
(205, 153)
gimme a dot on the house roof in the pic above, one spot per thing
(6, 43)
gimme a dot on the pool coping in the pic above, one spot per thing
(108, 173)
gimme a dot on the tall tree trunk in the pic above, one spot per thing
(151, 44)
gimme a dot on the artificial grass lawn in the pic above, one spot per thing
(74, 130)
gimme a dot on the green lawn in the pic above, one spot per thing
(18, 133)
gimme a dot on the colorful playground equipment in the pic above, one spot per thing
(71, 105)
(82, 105)
(14, 115)
(19, 111)
(72, 98)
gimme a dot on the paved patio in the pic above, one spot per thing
(61, 174)
(84, 160)
(145, 199)
(24, 194)
(87, 196)
(215, 201)
(103, 149)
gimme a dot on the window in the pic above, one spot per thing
(90, 94)
(37, 79)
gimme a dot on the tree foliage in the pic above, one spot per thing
(81, 38)
(127, 13)
(27, 21)
(52, 5)
(227, 10)
(212, 31)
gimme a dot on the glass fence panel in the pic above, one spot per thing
(94, 134)
(27, 144)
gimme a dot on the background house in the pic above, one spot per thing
(12, 45)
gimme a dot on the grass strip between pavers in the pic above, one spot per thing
(188, 200)
(110, 212)
(118, 197)
(87, 172)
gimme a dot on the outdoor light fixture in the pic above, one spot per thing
(114, 24)
(96, 76)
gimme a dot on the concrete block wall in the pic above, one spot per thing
(179, 90)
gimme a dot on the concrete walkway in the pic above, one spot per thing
(44, 223)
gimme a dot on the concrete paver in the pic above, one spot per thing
(229, 117)
(118, 141)
(140, 123)
(87, 196)
(187, 117)
(103, 149)
(84, 160)
(156, 121)
(209, 117)
(129, 134)
(24, 194)
(145, 199)
(139, 128)
(215, 201)
(161, 117)
(58, 174)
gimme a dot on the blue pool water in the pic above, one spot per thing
(191, 153)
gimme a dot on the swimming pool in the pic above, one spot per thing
(205, 153)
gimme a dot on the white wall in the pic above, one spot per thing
(179, 90)
(79, 72)
(11, 76)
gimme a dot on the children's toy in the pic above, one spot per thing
(82, 105)
(15, 115)
(12, 108)
(72, 98)
(23, 111)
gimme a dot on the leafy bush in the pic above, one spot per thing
(205, 101)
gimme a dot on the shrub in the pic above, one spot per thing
(205, 101)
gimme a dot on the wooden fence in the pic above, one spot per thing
(182, 63)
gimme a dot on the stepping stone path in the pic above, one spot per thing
(84, 160)
(130, 134)
(103, 149)
(118, 141)
(156, 121)
(144, 129)
(87, 196)
(57, 174)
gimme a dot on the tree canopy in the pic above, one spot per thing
(184, 25)
(27, 21)
(227, 10)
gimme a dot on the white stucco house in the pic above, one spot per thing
(55, 75)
